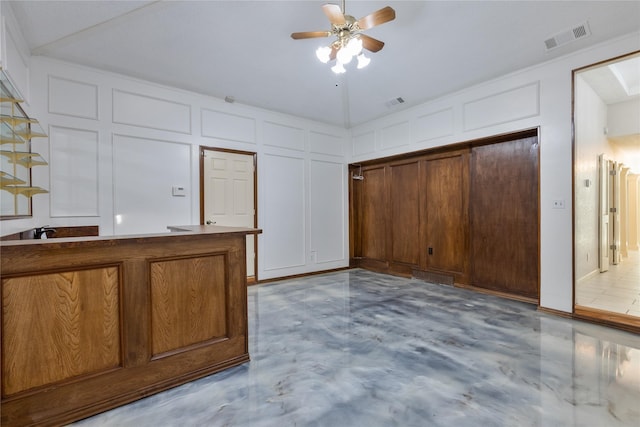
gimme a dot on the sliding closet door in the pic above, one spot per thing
(404, 202)
(504, 217)
(446, 219)
(373, 217)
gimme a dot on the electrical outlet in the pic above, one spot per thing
(558, 204)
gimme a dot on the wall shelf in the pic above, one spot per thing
(16, 158)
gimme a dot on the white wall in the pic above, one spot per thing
(624, 118)
(591, 141)
(539, 96)
(117, 146)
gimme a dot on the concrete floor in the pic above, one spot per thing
(356, 348)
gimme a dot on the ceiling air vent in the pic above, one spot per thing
(564, 37)
(393, 102)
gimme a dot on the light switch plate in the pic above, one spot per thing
(177, 191)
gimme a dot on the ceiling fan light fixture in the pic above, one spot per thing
(350, 41)
(363, 60)
(338, 68)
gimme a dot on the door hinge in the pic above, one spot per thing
(613, 247)
(613, 210)
(613, 172)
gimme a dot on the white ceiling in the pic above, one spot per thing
(243, 48)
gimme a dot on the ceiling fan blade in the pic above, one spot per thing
(310, 34)
(334, 14)
(378, 17)
(370, 43)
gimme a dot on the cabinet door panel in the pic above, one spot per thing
(446, 214)
(374, 214)
(404, 200)
(504, 217)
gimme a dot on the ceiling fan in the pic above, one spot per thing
(350, 39)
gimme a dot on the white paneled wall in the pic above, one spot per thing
(283, 209)
(73, 158)
(326, 209)
(144, 174)
(117, 146)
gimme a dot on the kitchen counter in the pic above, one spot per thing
(91, 323)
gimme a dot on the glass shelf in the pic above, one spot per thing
(16, 157)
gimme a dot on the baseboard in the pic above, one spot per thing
(608, 318)
(588, 276)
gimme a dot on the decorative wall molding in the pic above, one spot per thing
(283, 136)
(73, 98)
(232, 127)
(510, 105)
(149, 112)
(73, 168)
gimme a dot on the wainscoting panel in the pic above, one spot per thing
(231, 127)
(149, 112)
(66, 320)
(189, 302)
(73, 98)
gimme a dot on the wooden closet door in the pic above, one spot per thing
(504, 217)
(446, 217)
(373, 217)
(404, 224)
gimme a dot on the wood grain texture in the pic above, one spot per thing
(374, 214)
(505, 217)
(189, 302)
(404, 223)
(446, 214)
(59, 326)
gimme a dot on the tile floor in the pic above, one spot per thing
(617, 290)
(356, 348)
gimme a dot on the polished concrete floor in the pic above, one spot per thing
(356, 348)
(616, 290)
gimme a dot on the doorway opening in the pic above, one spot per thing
(606, 171)
(228, 195)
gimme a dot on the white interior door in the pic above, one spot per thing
(603, 213)
(229, 194)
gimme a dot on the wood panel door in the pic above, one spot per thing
(373, 218)
(504, 216)
(404, 224)
(446, 217)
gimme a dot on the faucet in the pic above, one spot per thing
(43, 232)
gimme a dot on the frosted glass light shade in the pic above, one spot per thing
(344, 55)
(354, 46)
(323, 54)
(338, 68)
(363, 61)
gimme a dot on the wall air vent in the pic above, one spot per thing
(567, 36)
(393, 102)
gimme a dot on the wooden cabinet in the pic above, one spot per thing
(92, 323)
(465, 214)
